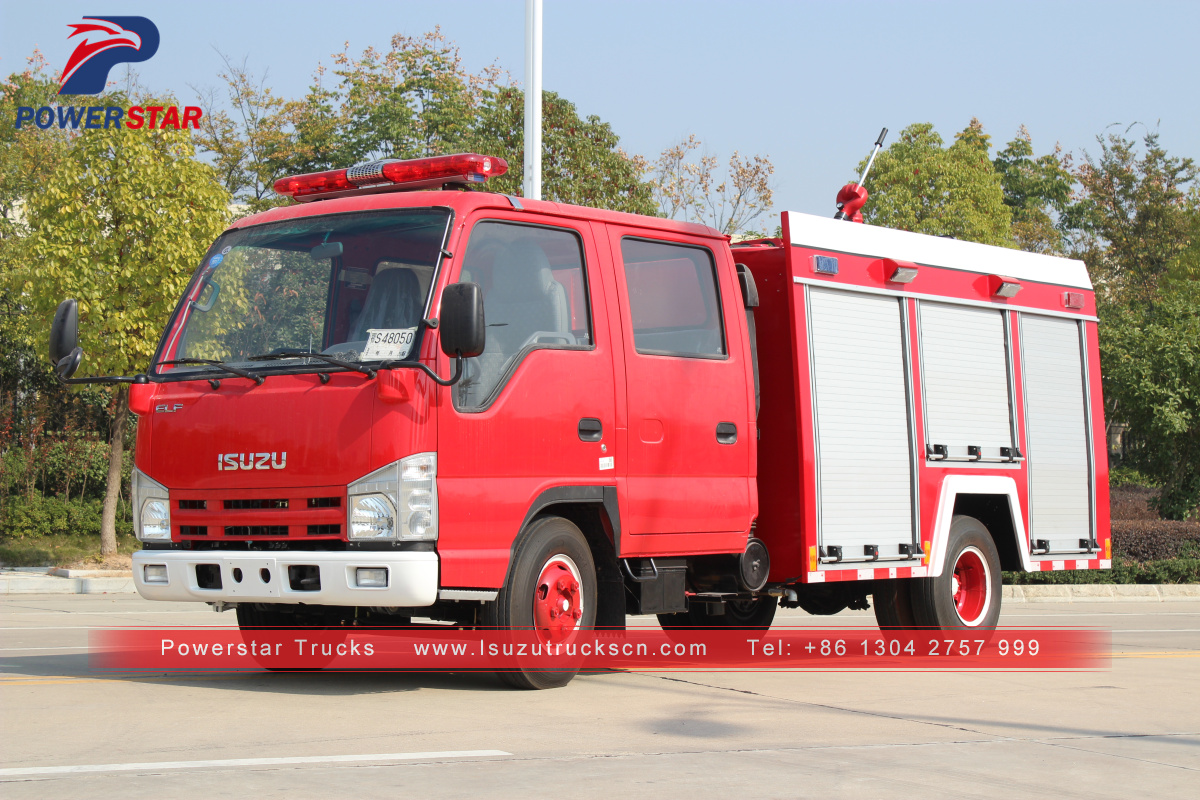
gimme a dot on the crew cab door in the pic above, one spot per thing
(689, 395)
(534, 413)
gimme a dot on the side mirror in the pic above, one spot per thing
(65, 352)
(462, 325)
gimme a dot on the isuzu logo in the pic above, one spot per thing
(228, 461)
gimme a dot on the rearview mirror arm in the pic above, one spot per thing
(453, 379)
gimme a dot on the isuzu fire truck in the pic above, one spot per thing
(380, 403)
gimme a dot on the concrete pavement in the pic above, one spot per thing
(1131, 730)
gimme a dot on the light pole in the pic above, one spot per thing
(532, 185)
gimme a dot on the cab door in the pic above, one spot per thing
(534, 413)
(689, 396)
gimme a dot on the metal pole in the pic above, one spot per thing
(532, 185)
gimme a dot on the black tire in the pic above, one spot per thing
(753, 615)
(972, 567)
(893, 604)
(260, 616)
(548, 541)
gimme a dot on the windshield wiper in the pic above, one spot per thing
(288, 352)
(241, 373)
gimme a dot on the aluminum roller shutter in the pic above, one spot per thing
(964, 379)
(860, 400)
(1059, 469)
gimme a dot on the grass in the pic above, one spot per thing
(64, 550)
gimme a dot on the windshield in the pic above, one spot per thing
(350, 286)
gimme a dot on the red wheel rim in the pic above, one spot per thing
(972, 586)
(557, 600)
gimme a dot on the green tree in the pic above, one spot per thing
(1135, 217)
(1152, 382)
(917, 184)
(582, 160)
(120, 225)
(1036, 189)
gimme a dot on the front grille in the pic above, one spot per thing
(254, 504)
(256, 530)
(313, 514)
(324, 502)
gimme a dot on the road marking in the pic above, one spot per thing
(16, 649)
(248, 762)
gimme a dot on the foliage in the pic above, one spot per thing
(582, 161)
(413, 100)
(1151, 353)
(916, 184)
(53, 531)
(1036, 190)
(691, 190)
(1135, 217)
(1126, 476)
(121, 225)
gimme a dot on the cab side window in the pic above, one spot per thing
(534, 297)
(673, 299)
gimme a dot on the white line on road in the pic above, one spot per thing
(15, 649)
(247, 762)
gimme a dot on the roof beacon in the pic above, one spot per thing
(852, 196)
(391, 175)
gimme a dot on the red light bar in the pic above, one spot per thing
(393, 174)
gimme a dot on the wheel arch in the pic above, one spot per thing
(993, 500)
(594, 510)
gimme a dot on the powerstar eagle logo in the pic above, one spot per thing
(101, 44)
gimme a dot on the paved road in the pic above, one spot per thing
(1132, 731)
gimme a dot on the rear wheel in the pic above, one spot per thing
(551, 589)
(893, 604)
(967, 593)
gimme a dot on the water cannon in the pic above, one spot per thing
(852, 196)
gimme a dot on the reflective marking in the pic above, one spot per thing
(246, 762)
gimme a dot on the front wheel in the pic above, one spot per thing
(966, 595)
(551, 589)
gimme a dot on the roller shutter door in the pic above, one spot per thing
(964, 375)
(1058, 459)
(861, 422)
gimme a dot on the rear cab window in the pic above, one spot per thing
(674, 300)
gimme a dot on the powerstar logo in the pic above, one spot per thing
(102, 43)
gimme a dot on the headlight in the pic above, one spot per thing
(398, 502)
(152, 502)
(372, 516)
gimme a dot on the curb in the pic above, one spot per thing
(72, 582)
(1102, 593)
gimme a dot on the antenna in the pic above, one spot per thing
(853, 195)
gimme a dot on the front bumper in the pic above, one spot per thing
(412, 577)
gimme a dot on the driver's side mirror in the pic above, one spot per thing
(462, 325)
(65, 352)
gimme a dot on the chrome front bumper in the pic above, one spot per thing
(412, 577)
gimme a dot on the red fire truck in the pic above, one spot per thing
(380, 403)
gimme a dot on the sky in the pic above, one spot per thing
(808, 84)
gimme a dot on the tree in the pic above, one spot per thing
(916, 184)
(1135, 216)
(120, 225)
(1036, 190)
(1152, 381)
(692, 190)
(582, 161)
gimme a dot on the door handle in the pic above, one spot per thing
(590, 430)
(726, 432)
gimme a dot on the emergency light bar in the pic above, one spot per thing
(392, 175)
